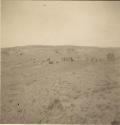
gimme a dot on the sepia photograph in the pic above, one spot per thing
(60, 62)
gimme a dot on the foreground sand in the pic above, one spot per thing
(65, 84)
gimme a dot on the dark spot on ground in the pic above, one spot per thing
(115, 123)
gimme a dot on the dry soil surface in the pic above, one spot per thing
(62, 84)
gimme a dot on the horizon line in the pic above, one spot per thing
(67, 45)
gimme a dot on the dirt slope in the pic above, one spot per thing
(62, 84)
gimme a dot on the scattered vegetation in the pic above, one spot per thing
(110, 57)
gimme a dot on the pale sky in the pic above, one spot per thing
(84, 23)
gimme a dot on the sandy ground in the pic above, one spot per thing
(65, 84)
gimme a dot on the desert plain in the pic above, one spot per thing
(60, 85)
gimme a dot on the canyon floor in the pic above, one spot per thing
(60, 85)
